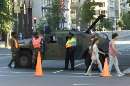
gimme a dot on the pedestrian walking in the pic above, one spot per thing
(14, 47)
(87, 54)
(95, 56)
(70, 51)
(113, 52)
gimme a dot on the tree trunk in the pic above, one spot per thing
(7, 37)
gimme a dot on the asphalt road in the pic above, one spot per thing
(54, 75)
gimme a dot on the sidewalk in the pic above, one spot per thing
(2, 44)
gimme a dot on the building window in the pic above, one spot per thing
(97, 12)
(103, 12)
(73, 1)
(102, 4)
(73, 11)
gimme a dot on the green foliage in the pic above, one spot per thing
(128, 1)
(87, 12)
(120, 23)
(53, 15)
(126, 19)
(106, 23)
(40, 25)
(6, 19)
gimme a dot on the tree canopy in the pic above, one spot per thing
(6, 17)
(106, 23)
(53, 15)
(126, 19)
(87, 12)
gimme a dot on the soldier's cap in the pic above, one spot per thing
(71, 34)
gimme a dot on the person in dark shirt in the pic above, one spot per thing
(14, 47)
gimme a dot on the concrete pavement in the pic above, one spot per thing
(2, 44)
(54, 75)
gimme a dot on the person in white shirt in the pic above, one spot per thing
(95, 56)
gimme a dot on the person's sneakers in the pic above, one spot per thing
(88, 74)
(120, 74)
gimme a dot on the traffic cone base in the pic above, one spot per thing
(106, 72)
(39, 71)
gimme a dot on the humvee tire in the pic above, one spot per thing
(24, 58)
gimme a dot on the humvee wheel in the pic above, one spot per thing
(24, 59)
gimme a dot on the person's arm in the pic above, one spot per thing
(101, 52)
(114, 47)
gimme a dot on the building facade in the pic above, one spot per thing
(112, 9)
(124, 6)
(102, 8)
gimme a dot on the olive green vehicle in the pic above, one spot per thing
(54, 46)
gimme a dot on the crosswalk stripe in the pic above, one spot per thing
(83, 84)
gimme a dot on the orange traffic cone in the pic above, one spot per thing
(106, 72)
(39, 71)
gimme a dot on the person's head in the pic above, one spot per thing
(14, 34)
(95, 41)
(114, 36)
(71, 34)
(92, 37)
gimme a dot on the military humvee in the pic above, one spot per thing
(54, 46)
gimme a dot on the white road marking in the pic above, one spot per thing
(83, 76)
(22, 72)
(58, 71)
(4, 75)
(122, 42)
(78, 64)
(5, 54)
(4, 71)
(85, 73)
(4, 57)
(4, 67)
(83, 84)
(79, 73)
(125, 54)
(10, 75)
